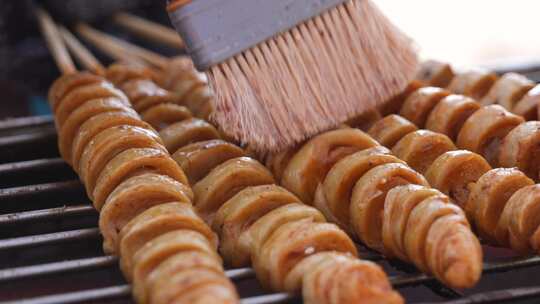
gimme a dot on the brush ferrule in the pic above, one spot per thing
(215, 30)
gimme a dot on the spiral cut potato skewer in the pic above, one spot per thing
(142, 195)
(494, 199)
(503, 138)
(513, 91)
(260, 223)
(178, 75)
(378, 199)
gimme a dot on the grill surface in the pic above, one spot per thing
(50, 247)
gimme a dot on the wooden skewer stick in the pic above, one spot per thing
(81, 53)
(55, 43)
(149, 30)
(120, 49)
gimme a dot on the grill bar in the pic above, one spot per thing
(21, 139)
(50, 238)
(45, 214)
(34, 165)
(79, 296)
(498, 296)
(25, 122)
(243, 273)
(58, 267)
(10, 193)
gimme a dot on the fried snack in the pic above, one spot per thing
(293, 241)
(473, 83)
(420, 148)
(508, 90)
(165, 114)
(238, 214)
(96, 124)
(145, 204)
(389, 130)
(489, 196)
(88, 110)
(198, 159)
(82, 94)
(132, 197)
(521, 149)
(353, 194)
(450, 114)
(332, 197)
(484, 130)
(395, 103)
(225, 180)
(528, 106)
(186, 132)
(419, 104)
(310, 164)
(365, 120)
(66, 83)
(109, 143)
(454, 173)
(519, 222)
(156, 221)
(435, 73)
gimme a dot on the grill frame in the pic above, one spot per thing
(31, 196)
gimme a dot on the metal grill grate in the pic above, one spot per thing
(50, 247)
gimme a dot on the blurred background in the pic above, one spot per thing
(495, 34)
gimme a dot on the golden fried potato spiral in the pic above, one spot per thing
(508, 90)
(142, 194)
(435, 73)
(473, 83)
(235, 194)
(352, 191)
(513, 91)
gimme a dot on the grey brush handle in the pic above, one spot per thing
(215, 30)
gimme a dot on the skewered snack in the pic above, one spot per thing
(473, 83)
(420, 148)
(508, 90)
(395, 103)
(450, 114)
(484, 192)
(528, 106)
(513, 91)
(350, 175)
(419, 104)
(486, 130)
(435, 73)
(142, 194)
(236, 195)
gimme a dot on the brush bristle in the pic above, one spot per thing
(313, 77)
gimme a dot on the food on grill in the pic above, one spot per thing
(420, 148)
(419, 104)
(136, 185)
(473, 83)
(350, 177)
(508, 90)
(435, 73)
(454, 172)
(501, 137)
(450, 114)
(513, 91)
(258, 222)
(528, 106)
(346, 276)
(521, 148)
(485, 129)
(467, 178)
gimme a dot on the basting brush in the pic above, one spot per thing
(284, 70)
